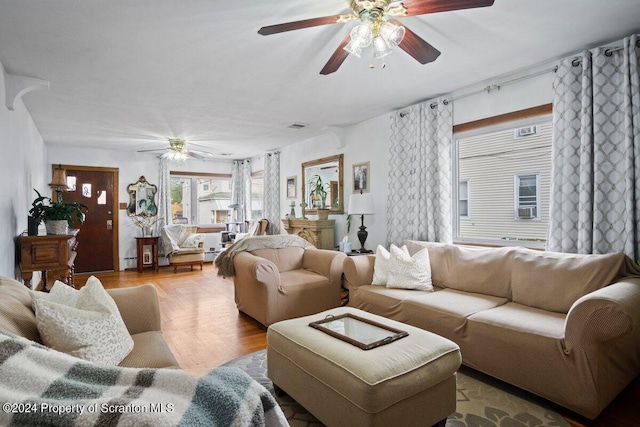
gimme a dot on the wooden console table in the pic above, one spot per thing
(141, 242)
(55, 253)
(318, 232)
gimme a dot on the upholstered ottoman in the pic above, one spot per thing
(408, 382)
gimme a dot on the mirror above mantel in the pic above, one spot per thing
(327, 174)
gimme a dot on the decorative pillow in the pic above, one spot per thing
(193, 241)
(410, 272)
(84, 323)
(382, 265)
(187, 231)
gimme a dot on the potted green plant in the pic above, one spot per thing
(318, 195)
(57, 215)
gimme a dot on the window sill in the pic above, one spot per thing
(495, 243)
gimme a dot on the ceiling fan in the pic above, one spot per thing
(178, 151)
(376, 31)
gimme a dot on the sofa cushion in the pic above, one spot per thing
(554, 281)
(286, 259)
(445, 311)
(470, 269)
(16, 314)
(380, 300)
(151, 351)
(84, 323)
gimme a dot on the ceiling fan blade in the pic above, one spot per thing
(337, 58)
(196, 156)
(419, 49)
(155, 149)
(423, 7)
(201, 153)
(306, 23)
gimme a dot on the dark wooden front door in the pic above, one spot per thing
(94, 187)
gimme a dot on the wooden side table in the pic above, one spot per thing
(141, 242)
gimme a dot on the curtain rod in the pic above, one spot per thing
(489, 88)
(608, 52)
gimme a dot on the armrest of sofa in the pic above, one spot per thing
(605, 314)
(358, 270)
(139, 307)
(251, 269)
(325, 262)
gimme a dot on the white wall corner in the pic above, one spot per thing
(336, 133)
(16, 86)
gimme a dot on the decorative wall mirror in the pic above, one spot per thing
(142, 198)
(322, 184)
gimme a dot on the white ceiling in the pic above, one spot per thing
(128, 74)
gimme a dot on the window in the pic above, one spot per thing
(463, 198)
(257, 194)
(510, 168)
(202, 199)
(526, 200)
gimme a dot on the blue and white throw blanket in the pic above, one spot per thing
(40, 386)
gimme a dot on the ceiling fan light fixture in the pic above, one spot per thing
(392, 34)
(361, 37)
(380, 48)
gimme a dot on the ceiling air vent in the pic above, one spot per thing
(526, 131)
(297, 126)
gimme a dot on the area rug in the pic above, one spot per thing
(482, 401)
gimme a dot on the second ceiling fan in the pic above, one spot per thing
(378, 31)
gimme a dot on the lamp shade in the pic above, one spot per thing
(361, 204)
(59, 178)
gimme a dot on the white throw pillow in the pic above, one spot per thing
(410, 272)
(84, 323)
(193, 241)
(382, 265)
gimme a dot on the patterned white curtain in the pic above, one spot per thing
(420, 174)
(595, 193)
(164, 197)
(241, 188)
(271, 206)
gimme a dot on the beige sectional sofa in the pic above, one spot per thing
(138, 307)
(565, 327)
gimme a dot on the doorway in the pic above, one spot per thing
(97, 188)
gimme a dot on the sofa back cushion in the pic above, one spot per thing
(470, 269)
(286, 259)
(554, 281)
(16, 314)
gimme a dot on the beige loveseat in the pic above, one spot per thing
(278, 284)
(565, 327)
(138, 307)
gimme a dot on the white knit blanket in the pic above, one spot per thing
(40, 386)
(224, 261)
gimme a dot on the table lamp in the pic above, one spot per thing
(361, 204)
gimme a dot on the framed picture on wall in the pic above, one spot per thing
(361, 177)
(291, 187)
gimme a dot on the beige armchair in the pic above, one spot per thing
(150, 350)
(182, 245)
(277, 284)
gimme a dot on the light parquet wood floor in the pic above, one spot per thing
(204, 329)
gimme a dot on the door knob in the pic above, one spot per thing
(109, 224)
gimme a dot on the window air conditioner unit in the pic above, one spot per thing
(527, 212)
(526, 131)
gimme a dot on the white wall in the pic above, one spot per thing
(366, 141)
(131, 166)
(22, 168)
